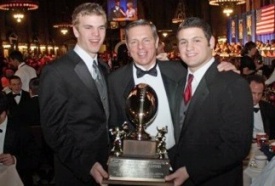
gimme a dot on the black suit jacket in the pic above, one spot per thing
(268, 117)
(217, 131)
(121, 82)
(20, 143)
(73, 119)
(32, 112)
(18, 111)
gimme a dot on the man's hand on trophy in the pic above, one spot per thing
(98, 173)
(178, 177)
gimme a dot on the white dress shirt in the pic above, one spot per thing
(88, 60)
(258, 122)
(163, 117)
(26, 73)
(198, 74)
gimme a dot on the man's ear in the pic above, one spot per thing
(212, 42)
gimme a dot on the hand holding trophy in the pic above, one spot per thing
(137, 157)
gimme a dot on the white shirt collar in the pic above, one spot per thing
(142, 68)
(198, 74)
(21, 64)
(257, 105)
(85, 56)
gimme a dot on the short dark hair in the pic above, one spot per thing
(34, 85)
(141, 22)
(195, 22)
(16, 55)
(248, 46)
(4, 104)
(256, 78)
(14, 77)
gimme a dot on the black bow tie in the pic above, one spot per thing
(14, 95)
(1, 130)
(256, 109)
(153, 71)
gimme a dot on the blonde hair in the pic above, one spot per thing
(87, 9)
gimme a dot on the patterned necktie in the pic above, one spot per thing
(188, 90)
(97, 75)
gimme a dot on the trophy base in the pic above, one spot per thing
(115, 182)
(138, 169)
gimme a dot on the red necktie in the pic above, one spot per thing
(188, 90)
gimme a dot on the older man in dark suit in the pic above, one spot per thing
(217, 131)
(17, 145)
(74, 104)
(165, 77)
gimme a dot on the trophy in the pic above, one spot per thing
(136, 157)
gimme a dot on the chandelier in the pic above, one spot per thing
(18, 4)
(64, 27)
(18, 17)
(180, 13)
(18, 7)
(228, 5)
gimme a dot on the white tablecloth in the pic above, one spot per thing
(9, 176)
(250, 173)
(259, 177)
(266, 176)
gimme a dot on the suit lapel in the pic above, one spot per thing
(264, 118)
(83, 73)
(197, 100)
(129, 83)
(200, 94)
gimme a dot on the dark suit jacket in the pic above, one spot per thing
(268, 117)
(121, 82)
(18, 111)
(20, 143)
(217, 130)
(73, 119)
(32, 112)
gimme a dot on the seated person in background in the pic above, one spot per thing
(17, 145)
(161, 54)
(17, 98)
(248, 65)
(264, 112)
(7, 73)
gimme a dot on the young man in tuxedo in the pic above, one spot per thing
(264, 112)
(17, 98)
(17, 145)
(74, 104)
(216, 133)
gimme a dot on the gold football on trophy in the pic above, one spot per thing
(141, 109)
